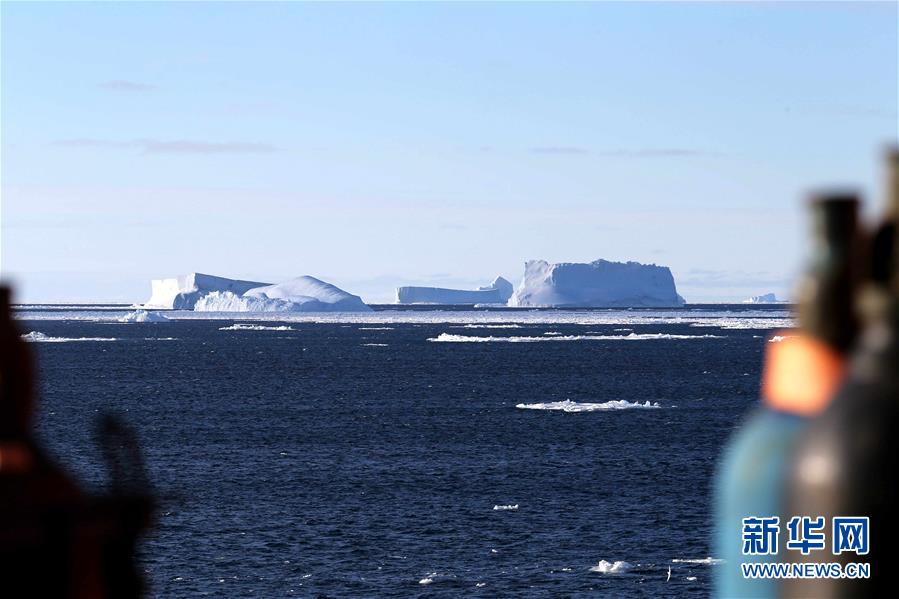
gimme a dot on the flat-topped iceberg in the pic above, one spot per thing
(768, 298)
(497, 292)
(600, 284)
(205, 293)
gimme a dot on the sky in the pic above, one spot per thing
(374, 145)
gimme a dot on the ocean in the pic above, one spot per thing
(413, 453)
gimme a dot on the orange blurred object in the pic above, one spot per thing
(821, 370)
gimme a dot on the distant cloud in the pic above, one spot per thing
(624, 153)
(657, 153)
(205, 147)
(866, 112)
(559, 150)
(701, 278)
(120, 85)
(177, 146)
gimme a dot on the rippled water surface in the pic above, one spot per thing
(365, 456)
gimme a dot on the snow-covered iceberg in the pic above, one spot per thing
(303, 294)
(182, 293)
(206, 293)
(497, 292)
(768, 298)
(600, 284)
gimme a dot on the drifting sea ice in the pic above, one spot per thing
(238, 326)
(451, 338)
(143, 316)
(604, 567)
(572, 406)
(38, 337)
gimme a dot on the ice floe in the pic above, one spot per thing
(451, 338)
(703, 560)
(38, 337)
(618, 567)
(238, 326)
(573, 406)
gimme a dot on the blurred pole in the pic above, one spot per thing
(847, 464)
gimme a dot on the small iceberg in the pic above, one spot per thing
(143, 316)
(604, 567)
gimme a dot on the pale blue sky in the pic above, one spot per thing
(380, 144)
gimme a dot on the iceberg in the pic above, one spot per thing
(599, 284)
(207, 293)
(302, 294)
(497, 292)
(768, 298)
(182, 293)
(143, 316)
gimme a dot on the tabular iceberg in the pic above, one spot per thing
(768, 298)
(206, 293)
(600, 284)
(497, 292)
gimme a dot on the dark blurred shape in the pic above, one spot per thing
(55, 540)
(847, 463)
(827, 291)
(801, 372)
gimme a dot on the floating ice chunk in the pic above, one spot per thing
(604, 567)
(451, 338)
(143, 316)
(779, 338)
(239, 326)
(505, 508)
(571, 406)
(709, 561)
(38, 337)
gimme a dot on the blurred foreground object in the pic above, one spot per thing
(847, 464)
(801, 372)
(56, 541)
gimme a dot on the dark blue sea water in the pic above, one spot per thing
(309, 463)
